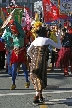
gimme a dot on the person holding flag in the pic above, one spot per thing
(18, 52)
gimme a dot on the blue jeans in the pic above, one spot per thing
(14, 69)
(8, 62)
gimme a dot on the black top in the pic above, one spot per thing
(67, 41)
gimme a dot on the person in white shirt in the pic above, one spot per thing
(38, 51)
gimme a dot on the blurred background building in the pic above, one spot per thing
(3, 3)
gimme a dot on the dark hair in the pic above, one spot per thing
(64, 29)
(42, 32)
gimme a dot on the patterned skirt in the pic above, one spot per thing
(64, 58)
(38, 68)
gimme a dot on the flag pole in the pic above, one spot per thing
(43, 13)
(8, 19)
(59, 5)
(59, 8)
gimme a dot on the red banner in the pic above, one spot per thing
(51, 12)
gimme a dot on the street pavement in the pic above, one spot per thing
(58, 93)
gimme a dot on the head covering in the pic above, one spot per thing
(37, 24)
(14, 29)
(11, 22)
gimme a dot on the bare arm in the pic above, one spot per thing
(29, 50)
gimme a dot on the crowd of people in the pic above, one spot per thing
(31, 48)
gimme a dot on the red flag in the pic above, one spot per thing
(55, 12)
(51, 12)
(63, 16)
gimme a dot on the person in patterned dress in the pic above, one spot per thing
(38, 52)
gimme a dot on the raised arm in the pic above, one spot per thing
(5, 34)
(29, 50)
(56, 45)
(20, 29)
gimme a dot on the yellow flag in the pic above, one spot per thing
(36, 17)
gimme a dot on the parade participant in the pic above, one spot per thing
(17, 35)
(27, 42)
(35, 26)
(65, 54)
(6, 37)
(27, 39)
(38, 66)
(9, 46)
(2, 48)
(51, 34)
(18, 52)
